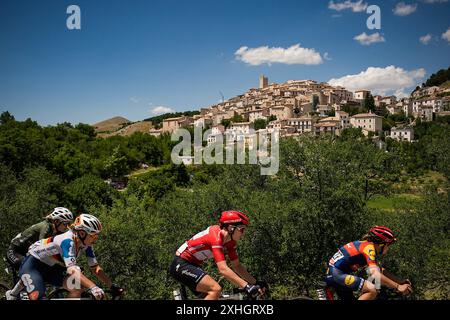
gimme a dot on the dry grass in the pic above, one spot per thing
(110, 125)
(142, 126)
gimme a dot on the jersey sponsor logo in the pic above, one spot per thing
(369, 250)
(349, 280)
(189, 274)
(372, 255)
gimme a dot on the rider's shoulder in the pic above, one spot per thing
(44, 224)
(66, 236)
(366, 246)
(214, 228)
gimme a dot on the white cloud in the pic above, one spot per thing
(161, 110)
(400, 93)
(426, 39)
(446, 35)
(292, 55)
(367, 40)
(135, 100)
(402, 9)
(357, 6)
(327, 56)
(381, 81)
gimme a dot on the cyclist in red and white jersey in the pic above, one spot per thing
(214, 242)
(54, 260)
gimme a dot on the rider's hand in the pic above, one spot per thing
(97, 293)
(262, 284)
(405, 289)
(252, 289)
(116, 290)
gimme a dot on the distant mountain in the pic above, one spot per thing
(141, 126)
(111, 125)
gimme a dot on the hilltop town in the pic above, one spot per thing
(299, 107)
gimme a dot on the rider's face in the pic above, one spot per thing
(383, 248)
(238, 232)
(91, 239)
(62, 227)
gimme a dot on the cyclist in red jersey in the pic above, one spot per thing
(214, 242)
(358, 254)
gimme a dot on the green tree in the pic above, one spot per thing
(237, 118)
(226, 123)
(89, 192)
(116, 164)
(260, 124)
(6, 117)
(70, 163)
(369, 103)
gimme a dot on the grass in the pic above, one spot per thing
(416, 185)
(392, 202)
(142, 171)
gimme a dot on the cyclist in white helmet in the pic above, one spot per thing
(54, 223)
(54, 260)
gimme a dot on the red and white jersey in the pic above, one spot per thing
(207, 244)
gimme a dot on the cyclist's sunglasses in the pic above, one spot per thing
(241, 228)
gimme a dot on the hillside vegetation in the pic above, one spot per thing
(321, 198)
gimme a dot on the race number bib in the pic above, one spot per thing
(337, 256)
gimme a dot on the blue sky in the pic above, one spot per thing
(131, 57)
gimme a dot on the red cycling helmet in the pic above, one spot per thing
(382, 234)
(233, 217)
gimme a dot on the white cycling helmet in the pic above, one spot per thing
(61, 214)
(88, 223)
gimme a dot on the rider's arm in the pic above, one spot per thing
(375, 273)
(45, 231)
(75, 273)
(242, 271)
(230, 275)
(394, 277)
(23, 240)
(99, 273)
(95, 267)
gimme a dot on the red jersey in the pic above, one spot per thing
(207, 244)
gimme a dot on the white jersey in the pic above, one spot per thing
(62, 250)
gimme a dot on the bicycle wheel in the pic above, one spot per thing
(3, 288)
(301, 298)
(58, 293)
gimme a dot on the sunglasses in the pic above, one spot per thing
(241, 228)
